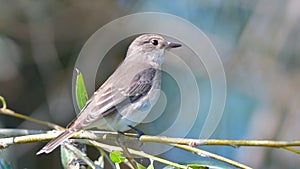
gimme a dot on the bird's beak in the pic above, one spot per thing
(173, 45)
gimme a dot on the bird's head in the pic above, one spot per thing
(150, 47)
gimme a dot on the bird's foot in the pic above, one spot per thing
(138, 131)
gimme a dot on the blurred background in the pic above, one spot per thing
(258, 42)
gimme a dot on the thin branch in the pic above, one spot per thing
(6, 111)
(181, 143)
(6, 142)
(291, 150)
(203, 153)
(3, 102)
(208, 142)
(111, 136)
(125, 150)
(102, 152)
(110, 148)
(80, 155)
(18, 132)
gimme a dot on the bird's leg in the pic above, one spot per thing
(131, 161)
(121, 132)
(138, 131)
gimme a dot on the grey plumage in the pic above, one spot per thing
(127, 95)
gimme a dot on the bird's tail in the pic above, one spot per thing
(53, 144)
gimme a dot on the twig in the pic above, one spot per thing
(291, 150)
(178, 142)
(203, 153)
(80, 155)
(110, 136)
(125, 150)
(18, 132)
(6, 111)
(208, 142)
(3, 102)
(5, 142)
(110, 148)
(102, 152)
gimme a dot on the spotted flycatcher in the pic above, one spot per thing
(127, 96)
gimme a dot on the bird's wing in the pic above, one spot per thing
(109, 99)
(141, 84)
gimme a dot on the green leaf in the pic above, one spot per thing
(198, 166)
(81, 94)
(116, 156)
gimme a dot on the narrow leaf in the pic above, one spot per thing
(81, 94)
(116, 157)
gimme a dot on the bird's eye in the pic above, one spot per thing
(154, 42)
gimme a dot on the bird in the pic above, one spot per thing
(127, 96)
